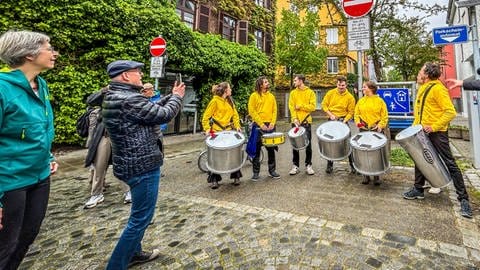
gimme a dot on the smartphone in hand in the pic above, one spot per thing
(179, 78)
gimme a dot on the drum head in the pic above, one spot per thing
(296, 132)
(272, 135)
(333, 131)
(408, 132)
(368, 140)
(225, 140)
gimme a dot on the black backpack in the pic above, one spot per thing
(83, 123)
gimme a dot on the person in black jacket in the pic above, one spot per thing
(99, 153)
(130, 119)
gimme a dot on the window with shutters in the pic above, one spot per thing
(268, 43)
(259, 38)
(228, 28)
(332, 65)
(204, 19)
(243, 32)
(186, 11)
(332, 35)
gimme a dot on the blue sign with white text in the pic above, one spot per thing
(448, 35)
(397, 99)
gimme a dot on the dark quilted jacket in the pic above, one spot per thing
(130, 119)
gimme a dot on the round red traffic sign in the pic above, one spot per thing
(357, 8)
(158, 46)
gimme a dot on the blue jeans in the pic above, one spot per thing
(144, 189)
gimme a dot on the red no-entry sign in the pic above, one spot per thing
(158, 46)
(357, 8)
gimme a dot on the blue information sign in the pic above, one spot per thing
(397, 99)
(448, 35)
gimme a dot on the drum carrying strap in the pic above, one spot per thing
(304, 121)
(423, 101)
(213, 121)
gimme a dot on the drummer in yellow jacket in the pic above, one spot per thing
(371, 115)
(301, 103)
(339, 105)
(220, 115)
(434, 110)
(262, 108)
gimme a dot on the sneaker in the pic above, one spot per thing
(214, 185)
(329, 169)
(310, 170)
(413, 194)
(294, 170)
(434, 190)
(274, 175)
(128, 197)
(94, 200)
(143, 257)
(255, 177)
(236, 181)
(465, 209)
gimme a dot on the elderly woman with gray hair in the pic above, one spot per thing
(26, 135)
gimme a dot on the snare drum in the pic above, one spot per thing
(298, 138)
(273, 139)
(426, 158)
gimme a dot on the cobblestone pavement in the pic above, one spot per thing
(296, 222)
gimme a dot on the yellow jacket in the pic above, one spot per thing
(262, 108)
(372, 110)
(222, 112)
(438, 110)
(341, 105)
(307, 101)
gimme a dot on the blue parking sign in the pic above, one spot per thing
(397, 99)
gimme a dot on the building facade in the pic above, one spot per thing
(332, 35)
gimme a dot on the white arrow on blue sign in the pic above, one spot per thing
(449, 35)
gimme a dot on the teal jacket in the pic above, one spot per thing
(26, 132)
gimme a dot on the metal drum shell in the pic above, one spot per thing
(273, 139)
(225, 152)
(421, 150)
(333, 147)
(299, 139)
(370, 153)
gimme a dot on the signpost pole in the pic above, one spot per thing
(473, 106)
(360, 73)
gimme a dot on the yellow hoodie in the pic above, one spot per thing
(307, 101)
(372, 110)
(341, 105)
(262, 108)
(222, 112)
(438, 110)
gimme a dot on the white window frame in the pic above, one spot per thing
(332, 35)
(332, 65)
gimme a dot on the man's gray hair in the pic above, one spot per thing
(432, 70)
(16, 45)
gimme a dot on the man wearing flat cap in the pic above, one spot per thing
(130, 118)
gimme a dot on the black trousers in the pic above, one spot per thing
(23, 213)
(214, 177)
(440, 142)
(308, 149)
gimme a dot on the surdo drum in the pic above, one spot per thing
(225, 153)
(333, 140)
(370, 153)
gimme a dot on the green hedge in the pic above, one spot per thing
(91, 34)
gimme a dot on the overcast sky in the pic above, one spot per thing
(436, 21)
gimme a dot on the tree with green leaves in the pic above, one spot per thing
(297, 43)
(406, 46)
(388, 19)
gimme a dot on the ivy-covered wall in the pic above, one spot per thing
(91, 34)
